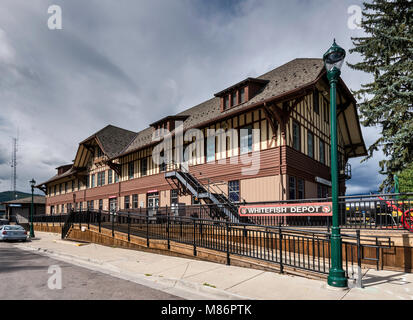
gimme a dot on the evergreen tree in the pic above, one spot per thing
(387, 52)
(406, 179)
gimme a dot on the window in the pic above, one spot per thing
(73, 185)
(233, 191)
(310, 144)
(226, 102)
(144, 166)
(174, 197)
(322, 191)
(55, 190)
(322, 152)
(316, 101)
(162, 166)
(296, 136)
(127, 203)
(99, 152)
(300, 188)
(60, 188)
(116, 177)
(65, 187)
(234, 99)
(87, 181)
(93, 181)
(135, 201)
(131, 169)
(81, 206)
(326, 111)
(210, 146)
(292, 188)
(246, 139)
(101, 178)
(242, 95)
(100, 204)
(78, 184)
(110, 175)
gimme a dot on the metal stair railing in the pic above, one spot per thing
(219, 198)
(68, 224)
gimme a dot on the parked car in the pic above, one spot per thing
(12, 232)
(3, 222)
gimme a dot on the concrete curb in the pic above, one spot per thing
(182, 288)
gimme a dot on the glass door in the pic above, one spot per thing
(153, 204)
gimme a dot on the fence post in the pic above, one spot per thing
(281, 249)
(359, 274)
(147, 228)
(377, 254)
(167, 229)
(88, 219)
(113, 224)
(194, 237)
(228, 228)
(99, 219)
(128, 227)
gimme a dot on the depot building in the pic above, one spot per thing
(280, 121)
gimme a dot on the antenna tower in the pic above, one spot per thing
(14, 167)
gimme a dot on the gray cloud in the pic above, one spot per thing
(129, 63)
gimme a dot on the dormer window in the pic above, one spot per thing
(242, 95)
(226, 102)
(234, 99)
(168, 122)
(240, 92)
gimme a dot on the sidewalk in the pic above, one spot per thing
(193, 279)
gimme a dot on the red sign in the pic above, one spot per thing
(322, 209)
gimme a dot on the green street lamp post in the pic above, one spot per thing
(333, 60)
(32, 184)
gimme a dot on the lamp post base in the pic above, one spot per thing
(32, 231)
(337, 278)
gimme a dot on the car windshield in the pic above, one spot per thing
(13, 228)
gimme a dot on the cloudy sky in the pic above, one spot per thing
(131, 62)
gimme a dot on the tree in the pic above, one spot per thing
(387, 52)
(406, 179)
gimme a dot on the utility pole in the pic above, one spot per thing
(13, 166)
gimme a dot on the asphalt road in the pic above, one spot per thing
(25, 275)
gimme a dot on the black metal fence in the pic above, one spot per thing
(385, 212)
(288, 247)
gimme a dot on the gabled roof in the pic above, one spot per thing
(67, 173)
(112, 139)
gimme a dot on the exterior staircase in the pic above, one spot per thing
(219, 202)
